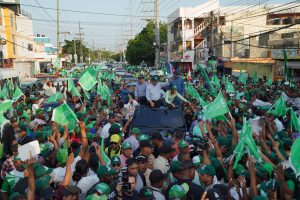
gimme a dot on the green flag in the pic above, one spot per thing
(215, 80)
(4, 92)
(280, 106)
(216, 108)
(213, 90)
(55, 98)
(64, 115)
(86, 94)
(17, 93)
(229, 87)
(87, 81)
(286, 67)
(255, 77)
(269, 82)
(294, 158)
(246, 141)
(73, 89)
(294, 121)
(243, 78)
(5, 105)
(194, 93)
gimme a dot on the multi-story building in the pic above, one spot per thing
(250, 38)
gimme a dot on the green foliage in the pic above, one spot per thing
(141, 48)
(68, 48)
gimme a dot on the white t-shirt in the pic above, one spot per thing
(105, 130)
(85, 183)
(34, 108)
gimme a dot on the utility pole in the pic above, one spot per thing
(157, 35)
(57, 30)
(131, 24)
(80, 39)
(231, 38)
(75, 53)
(212, 37)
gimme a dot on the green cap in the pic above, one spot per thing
(126, 145)
(104, 171)
(40, 170)
(239, 169)
(175, 166)
(268, 167)
(215, 163)
(197, 160)
(260, 197)
(143, 137)
(102, 188)
(261, 172)
(45, 148)
(115, 160)
(207, 169)
(136, 131)
(14, 196)
(42, 183)
(182, 144)
(178, 191)
(96, 197)
(39, 111)
(174, 87)
(154, 78)
(62, 156)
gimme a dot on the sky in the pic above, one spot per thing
(107, 21)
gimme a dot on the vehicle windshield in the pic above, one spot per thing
(158, 118)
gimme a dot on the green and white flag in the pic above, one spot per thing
(64, 115)
(294, 158)
(246, 141)
(86, 95)
(104, 156)
(212, 89)
(72, 88)
(194, 93)
(87, 80)
(4, 92)
(216, 108)
(17, 93)
(215, 80)
(294, 121)
(243, 78)
(55, 98)
(229, 87)
(255, 77)
(280, 106)
(5, 105)
(269, 82)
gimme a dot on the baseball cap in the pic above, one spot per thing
(39, 111)
(165, 149)
(175, 166)
(115, 138)
(115, 160)
(156, 135)
(136, 131)
(154, 78)
(96, 197)
(197, 160)
(104, 171)
(126, 145)
(143, 137)
(156, 175)
(146, 193)
(111, 115)
(182, 144)
(140, 77)
(102, 188)
(215, 194)
(174, 87)
(142, 158)
(178, 191)
(62, 156)
(40, 170)
(42, 183)
(207, 169)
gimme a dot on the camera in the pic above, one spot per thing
(125, 178)
(200, 143)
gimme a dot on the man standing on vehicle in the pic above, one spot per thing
(140, 90)
(154, 92)
(179, 83)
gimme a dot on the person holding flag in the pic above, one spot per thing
(170, 96)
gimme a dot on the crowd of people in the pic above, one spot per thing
(101, 158)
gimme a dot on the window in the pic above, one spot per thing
(287, 35)
(263, 40)
(287, 21)
(297, 21)
(30, 47)
(172, 29)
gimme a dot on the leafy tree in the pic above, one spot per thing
(141, 48)
(68, 48)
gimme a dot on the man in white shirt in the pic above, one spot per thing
(162, 161)
(154, 92)
(105, 130)
(143, 170)
(135, 133)
(157, 180)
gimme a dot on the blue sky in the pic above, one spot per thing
(105, 31)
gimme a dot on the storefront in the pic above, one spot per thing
(182, 62)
